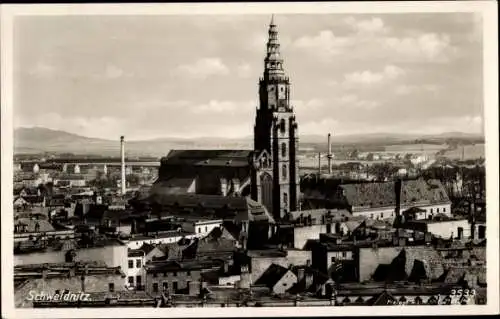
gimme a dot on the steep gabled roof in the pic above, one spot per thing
(271, 276)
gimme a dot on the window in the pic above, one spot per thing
(444, 210)
(371, 216)
(111, 287)
(283, 149)
(437, 209)
(138, 280)
(381, 215)
(175, 273)
(131, 280)
(284, 171)
(165, 285)
(344, 254)
(138, 263)
(282, 126)
(333, 259)
(188, 273)
(199, 229)
(285, 198)
(206, 229)
(175, 286)
(431, 210)
(155, 287)
(130, 264)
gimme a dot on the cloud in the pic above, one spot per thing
(390, 72)
(354, 101)
(244, 70)
(228, 107)
(42, 70)
(203, 68)
(325, 43)
(100, 127)
(367, 26)
(404, 89)
(426, 46)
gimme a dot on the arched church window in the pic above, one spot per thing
(284, 171)
(285, 198)
(282, 125)
(283, 149)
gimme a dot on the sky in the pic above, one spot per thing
(197, 76)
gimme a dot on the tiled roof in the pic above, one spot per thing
(31, 225)
(271, 276)
(173, 186)
(319, 213)
(235, 208)
(208, 157)
(413, 192)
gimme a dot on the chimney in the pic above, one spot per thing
(329, 154)
(319, 164)
(122, 151)
(300, 274)
(397, 189)
(223, 187)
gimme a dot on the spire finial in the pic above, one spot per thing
(272, 19)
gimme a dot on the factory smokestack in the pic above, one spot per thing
(122, 151)
(319, 164)
(329, 153)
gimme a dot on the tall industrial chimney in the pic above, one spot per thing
(329, 154)
(122, 151)
(319, 164)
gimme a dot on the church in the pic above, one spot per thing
(268, 174)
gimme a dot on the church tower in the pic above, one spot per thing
(276, 181)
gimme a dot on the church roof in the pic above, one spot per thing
(231, 158)
(234, 208)
(413, 192)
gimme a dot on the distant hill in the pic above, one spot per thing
(39, 140)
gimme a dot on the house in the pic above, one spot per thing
(201, 227)
(70, 180)
(84, 248)
(26, 229)
(178, 277)
(309, 224)
(165, 237)
(277, 278)
(442, 226)
(59, 278)
(311, 281)
(386, 199)
(252, 218)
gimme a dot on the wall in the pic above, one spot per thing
(285, 283)
(95, 283)
(137, 243)
(338, 255)
(371, 258)
(302, 234)
(181, 277)
(260, 264)
(134, 271)
(113, 256)
(298, 257)
(230, 280)
(389, 212)
(446, 229)
(376, 213)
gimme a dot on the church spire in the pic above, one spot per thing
(273, 60)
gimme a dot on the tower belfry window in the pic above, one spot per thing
(283, 149)
(282, 125)
(284, 171)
